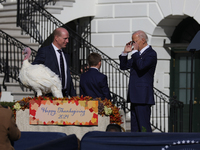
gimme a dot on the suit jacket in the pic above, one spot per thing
(94, 84)
(8, 129)
(47, 56)
(142, 69)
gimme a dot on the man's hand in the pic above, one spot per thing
(128, 47)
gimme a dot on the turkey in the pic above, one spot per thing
(39, 77)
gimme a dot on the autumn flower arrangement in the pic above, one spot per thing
(105, 107)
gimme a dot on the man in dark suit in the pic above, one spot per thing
(142, 66)
(57, 60)
(93, 83)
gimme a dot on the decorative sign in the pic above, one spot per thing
(59, 112)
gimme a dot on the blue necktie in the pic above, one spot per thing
(62, 69)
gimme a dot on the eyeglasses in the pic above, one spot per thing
(132, 42)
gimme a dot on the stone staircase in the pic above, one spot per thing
(8, 18)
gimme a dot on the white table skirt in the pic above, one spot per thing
(22, 120)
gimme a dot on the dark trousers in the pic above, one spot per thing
(65, 93)
(140, 118)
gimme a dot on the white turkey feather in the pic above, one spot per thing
(40, 78)
(41, 75)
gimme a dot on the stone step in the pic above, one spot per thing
(25, 39)
(12, 30)
(17, 52)
(64, 3)
(8, 15)
(7, 25)
(8, 11)
(34, 46)
(10, 5)
(54, 9)
(17, 96)
(22, 38)
(13, 92)
(8, 20)
(13, 87)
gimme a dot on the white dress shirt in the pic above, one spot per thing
(65, 62)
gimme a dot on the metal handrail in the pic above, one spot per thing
(11, 58)
(165, 111)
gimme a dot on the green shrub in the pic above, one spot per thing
(6, 104)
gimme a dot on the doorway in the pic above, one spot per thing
(180, 75)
